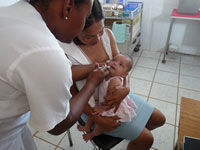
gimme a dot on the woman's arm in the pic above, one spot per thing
(113, 43)
(116, 94)
(107, 123)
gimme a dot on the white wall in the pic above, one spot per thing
(155, 26)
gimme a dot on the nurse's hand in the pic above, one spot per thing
(97, 75)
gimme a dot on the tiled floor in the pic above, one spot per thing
(162, 85)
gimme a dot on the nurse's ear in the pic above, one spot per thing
(67, 8)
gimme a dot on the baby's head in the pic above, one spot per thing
(120, 65)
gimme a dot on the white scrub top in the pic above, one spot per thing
(35, 74)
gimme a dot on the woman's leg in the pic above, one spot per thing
(143, 142)
(157, 119)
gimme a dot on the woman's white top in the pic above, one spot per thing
(78, 57)
(35, 74)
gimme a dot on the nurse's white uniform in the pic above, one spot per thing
(35, 77)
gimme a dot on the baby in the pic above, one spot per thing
(119, 67)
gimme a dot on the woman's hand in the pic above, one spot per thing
(97, 75)
(98, 110)
(107, 123)
(115, 97)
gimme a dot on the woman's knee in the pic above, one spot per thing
(157, 119)
(161, 117)
(145, 139)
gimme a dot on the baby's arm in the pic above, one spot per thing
(115, 82)
(112, 84)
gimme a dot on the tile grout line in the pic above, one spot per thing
(168, 71)
(151, 82)
(35, 133)
(174, 142)
(61, 140)
(165, 84)
(153, 78)
(161, 52)
(162, 100)
(45, 140)
(135, 64)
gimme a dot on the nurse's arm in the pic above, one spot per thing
(79, 101)
(80, 72)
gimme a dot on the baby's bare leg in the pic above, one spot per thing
(97, 131)
(87, 126)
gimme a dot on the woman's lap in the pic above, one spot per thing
(131, 130)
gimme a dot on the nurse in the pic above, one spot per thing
(35, 75)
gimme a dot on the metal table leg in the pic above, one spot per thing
(168, 38)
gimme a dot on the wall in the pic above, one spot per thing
(155, 26)
(156, 18)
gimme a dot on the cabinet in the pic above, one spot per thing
(133, 21)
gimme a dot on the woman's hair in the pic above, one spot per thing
(46, 2)
(95, 16)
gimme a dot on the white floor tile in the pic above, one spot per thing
(33, 131)
(169, 67)
(151, 54)
(171, 57)
(168, 109)
(141, 87)
(164, 92)
(143, 73)
(58, 148)
(188, 93)
(147, 62)
(137, 53)
(190, 60)
(191, 83)
(166, 78)
(164, 137)
(135, 59)
(50, 138)
(178, 115)
(42, 145)
(190, 70)
(143, 97)
(78, 142)
(176, 137)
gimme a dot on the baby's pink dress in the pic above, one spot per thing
(126, 110)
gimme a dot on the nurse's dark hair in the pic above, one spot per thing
(46, 2)
(95, 16)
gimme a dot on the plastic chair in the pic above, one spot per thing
(103, 141)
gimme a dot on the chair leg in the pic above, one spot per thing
(70, 138)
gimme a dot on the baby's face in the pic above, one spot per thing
(119, 65)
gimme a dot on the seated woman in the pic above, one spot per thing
(96, 44)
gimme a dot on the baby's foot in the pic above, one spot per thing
(83, 128)
(87, 137)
